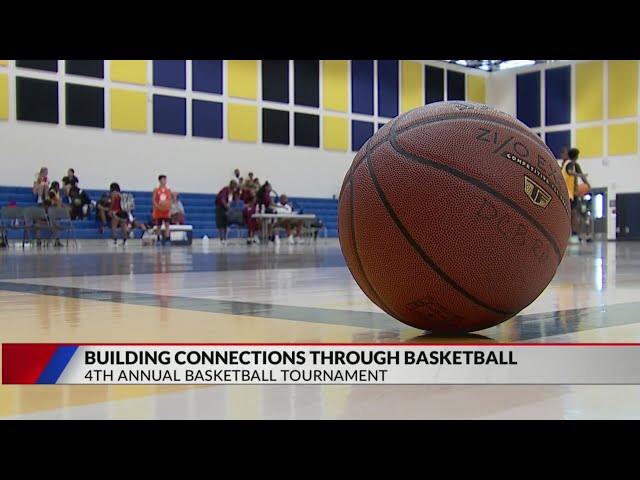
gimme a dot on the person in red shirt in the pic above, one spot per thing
(252, 225)
(223, 199)
(162, 208)
(118, 216)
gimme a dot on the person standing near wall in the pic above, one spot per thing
(571, 172)
(162, 208)
(236, 176)
(223, 200)
(118, 216)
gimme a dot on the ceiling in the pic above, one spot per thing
(495, 65)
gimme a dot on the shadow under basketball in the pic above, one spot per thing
(453, 338)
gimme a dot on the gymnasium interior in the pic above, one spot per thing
(296, 125)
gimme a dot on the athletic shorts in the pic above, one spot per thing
(124, 216)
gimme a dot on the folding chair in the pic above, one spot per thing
(60, 217)
(12, 218)
(35, 218)
(235, 218)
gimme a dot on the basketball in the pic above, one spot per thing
(453, 217)
(583, 189)
(165, 205)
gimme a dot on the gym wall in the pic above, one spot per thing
(296, 123)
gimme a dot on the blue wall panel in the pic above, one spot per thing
(206, 119)
(360, 133)
(170, 73)
(388, 91)
(169, 115)
(556, 141)
(528, 98)
(362, 86)
(557, 96)
(207, 76)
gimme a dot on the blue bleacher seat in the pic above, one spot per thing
(199, 209)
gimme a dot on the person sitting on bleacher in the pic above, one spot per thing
(69, 181)
(177, 210)
(41, 185)
(80, 203)
(54, 195)
(103, 211)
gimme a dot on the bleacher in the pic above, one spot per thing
(199, 208)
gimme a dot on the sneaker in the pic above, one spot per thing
(57, 243)
(223, 242)
(291, 240)
(574, 240)
(256, 240)
(277, 240)
(249, 241)
(124, 241)
(115, 242)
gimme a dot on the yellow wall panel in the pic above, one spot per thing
(623, 88)
(4, 62)
(128, 110)
(243, 123)
(476, 88)
(589, 91)
(243, 79)
(4, 97)
(335, 133)
(335, 88)
(590, 141)
(623, 139)
(129, 71)
(411, 85)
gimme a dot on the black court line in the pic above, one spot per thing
(520, 328)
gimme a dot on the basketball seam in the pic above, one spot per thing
(461, 117)
(417, 247)
(531, 136)
(479, 184)
(382, 304)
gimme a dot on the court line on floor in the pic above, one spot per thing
(529, 327)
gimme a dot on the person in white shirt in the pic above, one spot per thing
(289, 224)
(176, 210)
(236, 176)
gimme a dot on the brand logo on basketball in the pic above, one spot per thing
(536, 194)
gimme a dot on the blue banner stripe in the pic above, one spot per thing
(57, 364)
